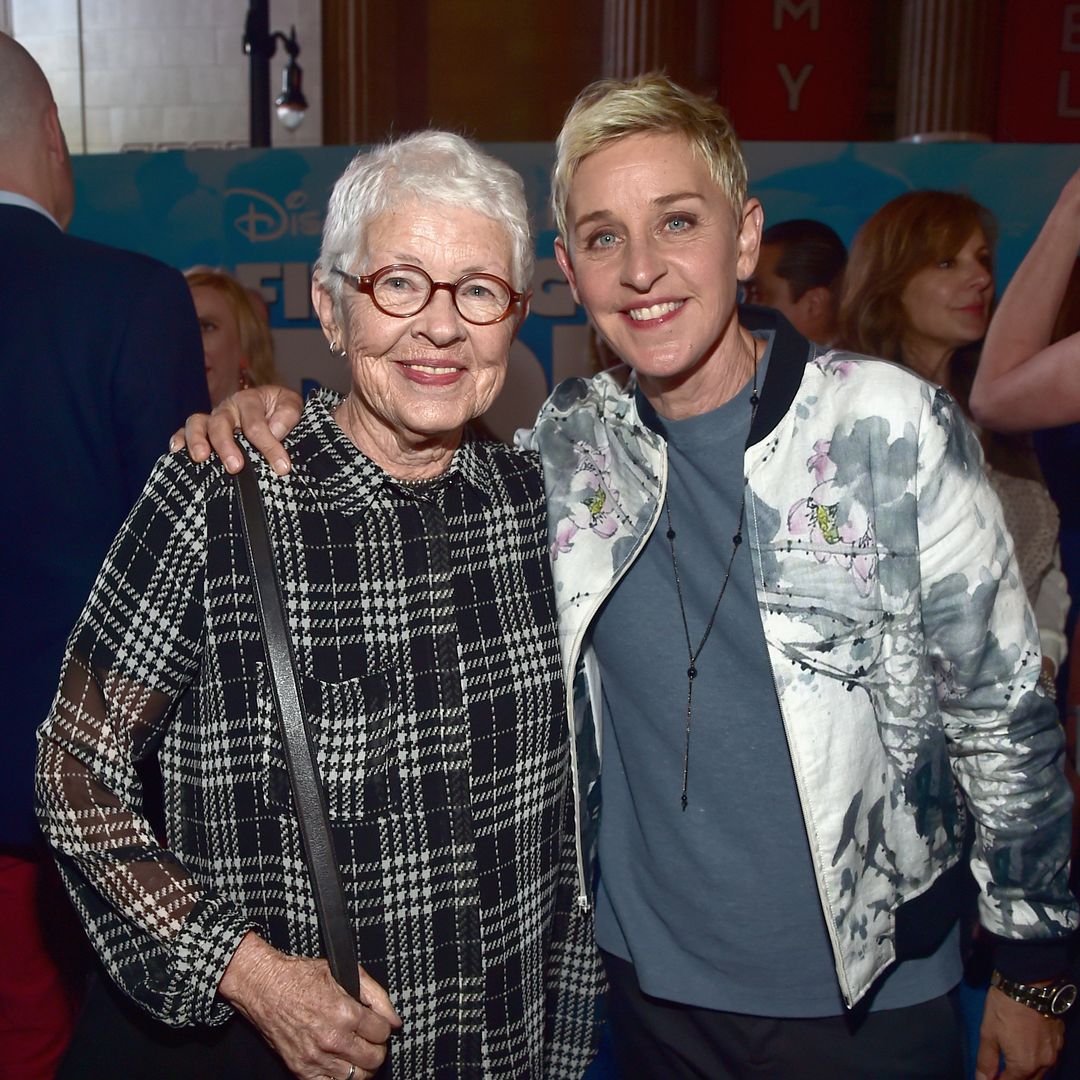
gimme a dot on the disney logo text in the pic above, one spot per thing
(264, 218)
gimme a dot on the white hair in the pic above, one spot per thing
(436, 166)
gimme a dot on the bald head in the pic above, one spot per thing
(23, 89)
(33, 155)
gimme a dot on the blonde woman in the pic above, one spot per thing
(237, 346)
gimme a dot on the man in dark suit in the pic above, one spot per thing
(101, 359)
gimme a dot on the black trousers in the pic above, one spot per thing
(661, 1040)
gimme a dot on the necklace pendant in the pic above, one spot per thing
(691, 672)
(684, 801)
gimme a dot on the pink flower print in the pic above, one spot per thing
(597, 507)
(564, 536)
(817, 517)
(819, 463)
(832, 363)
(863, 566)
(816, 520)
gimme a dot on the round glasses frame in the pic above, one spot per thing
(365, 283)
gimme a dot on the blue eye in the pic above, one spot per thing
(679, 223)
(603, 239)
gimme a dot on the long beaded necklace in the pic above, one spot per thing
(692, 653)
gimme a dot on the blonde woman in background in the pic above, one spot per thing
(237, 346)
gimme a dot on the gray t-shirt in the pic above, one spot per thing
(716, 906)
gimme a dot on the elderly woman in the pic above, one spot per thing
(415, 581)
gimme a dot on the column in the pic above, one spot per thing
(948, 69)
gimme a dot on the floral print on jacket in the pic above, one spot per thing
(905, 656)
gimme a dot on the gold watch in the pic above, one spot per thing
(1054, 999)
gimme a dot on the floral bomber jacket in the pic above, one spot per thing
(904, 653)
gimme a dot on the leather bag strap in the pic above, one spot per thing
(318, 844)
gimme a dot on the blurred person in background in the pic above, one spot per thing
(799, 272)
(1029, 377)
(238, 349)
(100, 356)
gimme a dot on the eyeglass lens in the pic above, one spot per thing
(405, 290)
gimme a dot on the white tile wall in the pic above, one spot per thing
(55, 52)
(162, 71)
(44, 15)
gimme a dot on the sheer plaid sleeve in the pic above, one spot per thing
(135, 650)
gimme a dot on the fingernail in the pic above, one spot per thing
(174, 445)
(278, 429)
(281, 466)
(232, 463)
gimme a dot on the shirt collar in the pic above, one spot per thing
(352, 481)
(14, 198)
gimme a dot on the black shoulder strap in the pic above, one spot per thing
(318, 844)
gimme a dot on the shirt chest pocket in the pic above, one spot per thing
(354, 726)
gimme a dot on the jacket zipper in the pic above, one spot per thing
(583, 901)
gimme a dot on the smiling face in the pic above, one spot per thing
(654, 252)
(222, 353)
(946, 306)
(417, 381)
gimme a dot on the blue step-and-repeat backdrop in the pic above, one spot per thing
(259, 213)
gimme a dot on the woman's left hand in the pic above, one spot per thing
(315, 1026)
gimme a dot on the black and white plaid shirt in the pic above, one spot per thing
(425, 633)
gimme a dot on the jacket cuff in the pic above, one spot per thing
(1031, 961)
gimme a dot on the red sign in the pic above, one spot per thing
(795, 69)
(1040, 72)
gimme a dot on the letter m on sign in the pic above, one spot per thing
(796, 9)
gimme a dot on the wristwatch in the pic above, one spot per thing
(1055, 999)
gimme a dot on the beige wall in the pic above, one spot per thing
(162, 71)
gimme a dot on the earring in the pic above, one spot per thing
(246, 381)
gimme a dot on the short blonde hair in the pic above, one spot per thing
(610, 109)
(255, 340)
